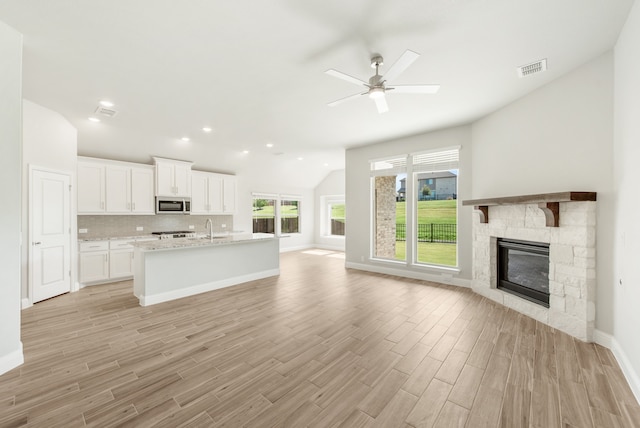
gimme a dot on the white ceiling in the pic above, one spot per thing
(254, 70)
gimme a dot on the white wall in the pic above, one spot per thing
(358, 203)
(557, 138)
(249, 183)
(10, 166)
(332, 185)
(626, 233)
(48, 141)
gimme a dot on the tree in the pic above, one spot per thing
(426, 190)
(260, 203)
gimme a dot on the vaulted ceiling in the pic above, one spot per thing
(254, 71)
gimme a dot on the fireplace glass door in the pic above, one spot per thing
(523, 269)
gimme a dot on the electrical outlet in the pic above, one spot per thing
(83, 230)
(139, 228)
(191, 227)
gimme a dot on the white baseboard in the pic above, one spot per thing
(297, 248)
(609, 341)
(26, 303)
(426, 276)
(147, 300)
(11, 360)
(329, 247)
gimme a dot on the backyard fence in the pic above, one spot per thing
(337, 227)
(267, 225)
(430, 232)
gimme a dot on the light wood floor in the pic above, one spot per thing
(318, 346)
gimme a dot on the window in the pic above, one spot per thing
(289, 216)
(336, 218)
(276, 214)
(264, 215)
(414, 210)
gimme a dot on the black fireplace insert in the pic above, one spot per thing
(523, 269)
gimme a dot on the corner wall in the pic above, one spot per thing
(49, 141)
(557, 138)
(625, 285)
(10, 169)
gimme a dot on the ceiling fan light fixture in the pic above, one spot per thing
(376, 93)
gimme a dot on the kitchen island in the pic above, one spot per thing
(170, 269)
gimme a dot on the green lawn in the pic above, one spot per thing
(430, 252)
(439, 212)
(267, 211)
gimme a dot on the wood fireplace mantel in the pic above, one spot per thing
(549, 203)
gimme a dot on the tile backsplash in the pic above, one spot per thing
(106, 226)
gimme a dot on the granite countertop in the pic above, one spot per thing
(113, 238)
(201, 241)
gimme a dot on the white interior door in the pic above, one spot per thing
(50, 233)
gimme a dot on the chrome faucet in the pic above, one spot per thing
(209, 225)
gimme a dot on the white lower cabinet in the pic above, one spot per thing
(94, 261)
(107, 261)
(120, 259)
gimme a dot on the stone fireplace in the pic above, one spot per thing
(567, 223)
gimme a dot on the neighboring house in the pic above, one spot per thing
(441, 184)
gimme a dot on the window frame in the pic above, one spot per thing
(278, 198)
(411, 198)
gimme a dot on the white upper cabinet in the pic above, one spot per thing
(212, 193)
(91, 188)
(111, 187)
(142, 190)
(173, 178)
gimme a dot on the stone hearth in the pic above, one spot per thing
(572, 258)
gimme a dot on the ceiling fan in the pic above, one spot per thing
(377, 88)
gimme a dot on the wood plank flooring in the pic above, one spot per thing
(318, 346)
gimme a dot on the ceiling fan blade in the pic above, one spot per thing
(341, 100)
(341, 75)
(381, 104)
(405, 60)
(414, 89)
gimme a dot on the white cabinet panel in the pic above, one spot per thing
(173, 178)
(118, 189)
(199, 193)
(142, 191)
(121, 264)
(229, 195)
(91, 188)
(94, 266)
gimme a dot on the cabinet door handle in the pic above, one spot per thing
(134, 206)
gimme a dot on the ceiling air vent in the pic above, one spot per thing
(533, 68)
(105, 111)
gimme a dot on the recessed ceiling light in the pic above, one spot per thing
(300, 158)
(207, 129)
(105, 103)
(269, 145)
(245, 152)
(326, 164)
(185, 138)
(94, 119)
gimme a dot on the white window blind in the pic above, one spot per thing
(443, 160)
(391, 166)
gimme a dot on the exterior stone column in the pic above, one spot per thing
(385, 217)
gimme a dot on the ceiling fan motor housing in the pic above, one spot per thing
(376, 60)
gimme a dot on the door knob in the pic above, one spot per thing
(36, 243)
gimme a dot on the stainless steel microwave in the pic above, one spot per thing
(173, 205)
